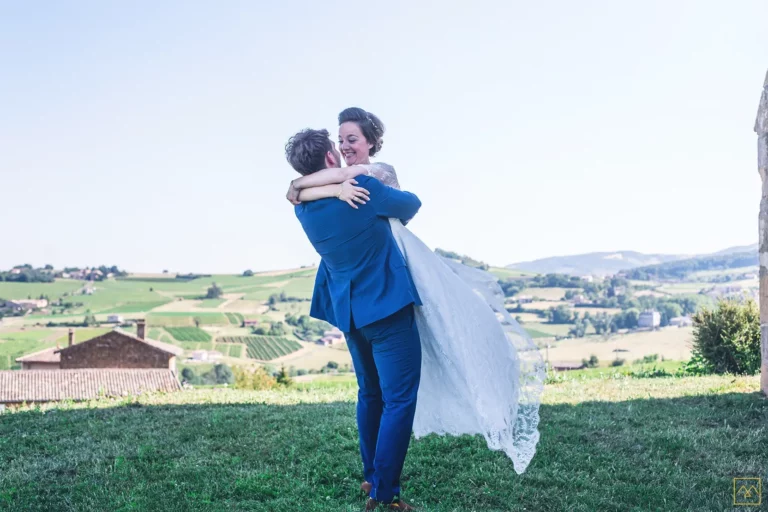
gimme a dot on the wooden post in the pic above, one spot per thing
(761, 127)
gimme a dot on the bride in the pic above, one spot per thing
(481, 373)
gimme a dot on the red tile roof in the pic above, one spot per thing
(165, 347)
(53, 385)
(43, 356)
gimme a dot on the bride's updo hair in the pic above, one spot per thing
(370, 125)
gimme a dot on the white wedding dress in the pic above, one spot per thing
(481, 373)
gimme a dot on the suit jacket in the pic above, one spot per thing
(363, 277)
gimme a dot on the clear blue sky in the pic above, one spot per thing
(150, 134)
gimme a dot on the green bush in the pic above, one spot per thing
(257, 379)
(726, 339)
(592, 362)
(618, 362)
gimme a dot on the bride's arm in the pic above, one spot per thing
(328, 177)
(346, 192)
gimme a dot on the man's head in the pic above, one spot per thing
(310, 151)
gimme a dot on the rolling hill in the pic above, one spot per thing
(594, 263)
(609, 263)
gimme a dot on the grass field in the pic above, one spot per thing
(504, 273)
(663, 444)
(24, 290)
(135, 307)
(545, 293)
(211, 303)
(33, 335)
(534, 333)
(671, 342)
(550, 329)
(82, 334)
(263, 348)
(182, 319)
(235, 319)
(188, 334)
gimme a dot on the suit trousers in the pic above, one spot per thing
(387, 359)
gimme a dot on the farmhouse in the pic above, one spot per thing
(23, 304)
(113, 364)
(331, 337)
(115, 319)
(115, 349)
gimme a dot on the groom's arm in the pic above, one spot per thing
(390, 202)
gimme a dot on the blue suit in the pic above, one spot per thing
(362, 276)
(365, 289)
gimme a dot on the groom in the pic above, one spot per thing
(363, 287)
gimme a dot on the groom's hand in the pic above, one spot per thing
(293, 195)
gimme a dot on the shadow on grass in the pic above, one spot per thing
(654, 454)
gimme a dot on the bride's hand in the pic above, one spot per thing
(349, 193)
(293, 195)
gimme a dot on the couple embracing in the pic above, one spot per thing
(433, 348)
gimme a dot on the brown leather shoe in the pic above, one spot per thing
(399, 505)
(366, 487)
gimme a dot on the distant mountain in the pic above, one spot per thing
(740, 249)
(681, 269)
(594, 263)
(609, 263)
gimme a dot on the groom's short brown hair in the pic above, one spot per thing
(306, 150)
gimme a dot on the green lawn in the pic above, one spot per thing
(663, 444)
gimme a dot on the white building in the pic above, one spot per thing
(205, 355)
(115, 319)
(649, 319)
(681, 321)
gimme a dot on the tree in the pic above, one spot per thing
(560, 315)
(197, 321)
(600, 322)
(277, 329)
(248, 273)
(253, 379)
(333, 365)
(726, 339)
(579, 329)
(761, 128)
(283, 378)
(189, 375)
(668, 311)
(223, 374)
(592, 362)
(214, 292)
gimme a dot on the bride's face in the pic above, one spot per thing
(353, 145)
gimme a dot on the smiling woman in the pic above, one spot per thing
(360, 135)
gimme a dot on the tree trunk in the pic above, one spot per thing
(761, 127)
